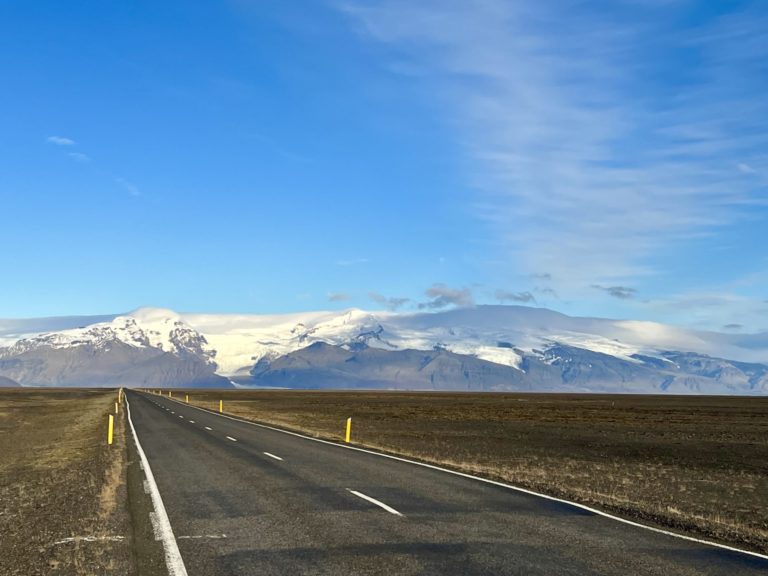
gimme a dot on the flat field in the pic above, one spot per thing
(62, 488)
(698, 465)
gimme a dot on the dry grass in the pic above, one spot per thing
(696, 464)
(59, 480)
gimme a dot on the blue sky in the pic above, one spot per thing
(597, 158)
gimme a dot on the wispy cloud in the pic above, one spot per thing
(339, 297)
(389, 303)
(620, 292)
(352, 262)
(586, 168)
(79, 157)
(83, 158)
(129, 187)
(506, 296)
(279, 149)
(442, 296)
(733, 327)
(60, 141)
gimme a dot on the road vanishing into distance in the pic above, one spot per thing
(248, 500)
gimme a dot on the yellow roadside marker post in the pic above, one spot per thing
(186, 397)
(116, 407)
(221, 406)
(349, 430)
(111, 428)
(170, 394)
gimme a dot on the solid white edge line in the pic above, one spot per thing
(374, 501)
(173, 560)
(495, 483)
(230, 438)
(273, 456)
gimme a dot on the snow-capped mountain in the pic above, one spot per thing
(484, 347)
(494, 333)
(146, 347)
(144, 328)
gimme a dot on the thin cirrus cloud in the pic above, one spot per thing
(129, 187)
(585, 166)
(79, 157)
(60, 141)
(339, 297)
(82, 158)
(352, 262)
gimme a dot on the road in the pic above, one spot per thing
(243, 499)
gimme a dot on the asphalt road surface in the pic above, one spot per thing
(242, 499)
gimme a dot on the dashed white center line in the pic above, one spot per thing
(230, 438)
(191, 421)
(273, 456)
(207, 428)
(180, 416)
(374, 501)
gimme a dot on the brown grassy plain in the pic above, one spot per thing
(698, 465)
(62, 489)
